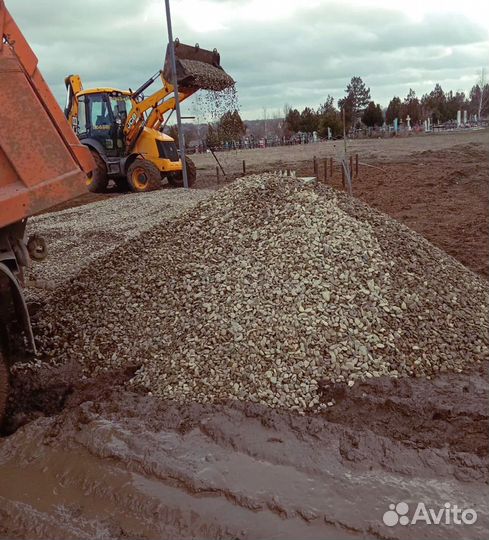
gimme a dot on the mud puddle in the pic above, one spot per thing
(92, 460)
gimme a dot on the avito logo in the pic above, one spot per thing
(448, 514)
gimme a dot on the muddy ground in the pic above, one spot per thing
(85, 458)
(102, 462)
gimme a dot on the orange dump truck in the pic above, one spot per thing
(42, 163)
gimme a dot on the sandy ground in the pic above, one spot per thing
(85, 458)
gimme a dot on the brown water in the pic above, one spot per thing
(108, 463)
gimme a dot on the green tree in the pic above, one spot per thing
(327, 107)
(455, 102)
(393, 110)
(309, 120)
(331, 120)
(435, 104)
(412, 107)
(356, 99)
(329, 117)
(293, 120)
(230, 127)
(373, 115)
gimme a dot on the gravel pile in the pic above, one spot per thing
(207, 76)
(266, 291)
(78, 236)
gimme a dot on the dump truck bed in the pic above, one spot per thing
(42, 163)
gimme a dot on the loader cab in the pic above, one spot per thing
(101, 117)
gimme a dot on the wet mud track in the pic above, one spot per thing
(92, 460)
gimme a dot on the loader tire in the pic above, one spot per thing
(176, 179)
(143, 175)
(4, 386)
(99, 180)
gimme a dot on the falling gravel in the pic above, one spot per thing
(269, 291)
(213, 104)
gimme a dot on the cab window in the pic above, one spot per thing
(120, 107)
(99, 112)
(82, 117)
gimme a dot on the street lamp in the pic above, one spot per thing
(181, 138)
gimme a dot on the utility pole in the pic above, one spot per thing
(181, 138)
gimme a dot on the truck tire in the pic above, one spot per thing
(99, 180)
(176, 179)
(4, 386)
(143, 175)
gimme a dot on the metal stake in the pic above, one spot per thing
(181, 138)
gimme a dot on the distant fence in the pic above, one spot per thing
(358, 133)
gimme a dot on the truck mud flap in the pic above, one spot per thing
(14, 293)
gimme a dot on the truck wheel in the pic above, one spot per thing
(99, 180)
(4, 386)
(143, 175)
(176, 179)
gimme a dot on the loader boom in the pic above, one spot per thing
(151, 110)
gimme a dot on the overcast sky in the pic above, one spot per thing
(278, 51)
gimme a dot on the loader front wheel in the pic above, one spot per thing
(4, 386)
(176, 179)
(97, 183)
(143, 175)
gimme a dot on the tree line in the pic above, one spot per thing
(360, 110)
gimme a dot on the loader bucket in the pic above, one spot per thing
(197, 68)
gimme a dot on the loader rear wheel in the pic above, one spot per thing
(4, 386)
(176, 179)
(143, 175)
(97, 183)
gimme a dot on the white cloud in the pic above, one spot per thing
(278, 50)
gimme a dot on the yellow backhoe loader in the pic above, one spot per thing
(124, 129)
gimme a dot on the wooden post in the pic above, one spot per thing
(315, 165)
(351, 166)
(331, 167)
(342, 174)
(217, 174)
(356, 164)
(244, 167)
(325, 163)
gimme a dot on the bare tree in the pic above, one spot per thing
(483, 93)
